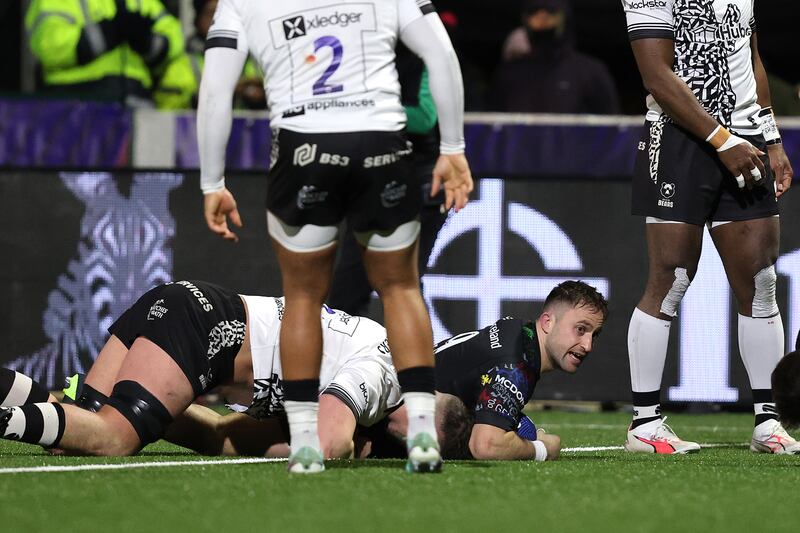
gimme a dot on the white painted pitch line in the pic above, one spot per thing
(614, 426)
(125, 466)
(579, 449)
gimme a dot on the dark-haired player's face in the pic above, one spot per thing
(571, 336)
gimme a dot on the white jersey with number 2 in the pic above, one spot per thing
(328, 65)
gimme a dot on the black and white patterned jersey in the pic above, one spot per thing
(712, 53)
(339, 73)
(493, 370)
(348, 342)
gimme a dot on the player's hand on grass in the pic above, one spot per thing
(218, 206)
(781, 168)
(743, 162)
(452, 172)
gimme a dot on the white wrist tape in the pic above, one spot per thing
(209, 185)
(732, 141)
(769, 127)
(541, 451)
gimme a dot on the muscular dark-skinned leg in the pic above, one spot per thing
(749, 250)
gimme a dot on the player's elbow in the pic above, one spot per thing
(486, 447)
(552, 444)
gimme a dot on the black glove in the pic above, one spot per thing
(152, 46)
(97, 38)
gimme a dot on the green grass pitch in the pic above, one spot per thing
(725, 488)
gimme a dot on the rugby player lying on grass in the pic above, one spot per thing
(786, 387)
(485, 379)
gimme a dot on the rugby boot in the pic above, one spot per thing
(306, 460)
(423, 454)
(770, 437)
(657, 437)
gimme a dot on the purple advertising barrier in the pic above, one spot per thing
(248, 147)
(45, 133)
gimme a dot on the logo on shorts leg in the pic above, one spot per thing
(392, 193)
(305, 154)
(667, 192)
(308, 196)
(157, 310)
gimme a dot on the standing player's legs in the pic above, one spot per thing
(150, 389)
(749, 250)
(673, 253)
(393, 273)
(306, 280)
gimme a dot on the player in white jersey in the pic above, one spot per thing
(339, 151)
(182, 339)
(711, 155)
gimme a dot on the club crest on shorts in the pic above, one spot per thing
(308, 196)
(392, 193)
(305, 154)
(667, 192)
(157, 310)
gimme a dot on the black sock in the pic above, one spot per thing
(417, 379)
(764, 405)
(301, 390)
(646, 407)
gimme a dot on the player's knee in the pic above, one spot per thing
(674, 290)
(764, 303)
(113, 439)
(145, 413)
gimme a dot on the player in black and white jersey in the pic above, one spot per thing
(338, 152)
(711, 155)
(183, 339)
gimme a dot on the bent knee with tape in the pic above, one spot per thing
(680, 284)
(145, 412)
(90, 398)
(764, 302)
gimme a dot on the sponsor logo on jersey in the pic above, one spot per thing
(305, 154)
(363, 388)
(308, 196)
(392, 193)
(157, 310)
(294, 27)
(280, 306)
(384, 347)
(667, 192)
(385, 159)
(294, 112)
(334, 159)
(641, 4)
(494, 337)
(328, 104)
(485, 379)
(510, 386)
(198, 294)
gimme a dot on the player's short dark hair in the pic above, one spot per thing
(786, 389)
(577, 294)
(457, 422)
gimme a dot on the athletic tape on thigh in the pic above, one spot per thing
(764, 304)
(301, 239)
(145, 412)
(675, 294)
(399, 238)
(90, 398)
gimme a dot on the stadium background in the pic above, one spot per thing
(552, 204)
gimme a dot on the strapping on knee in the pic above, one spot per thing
(145, 412)
(671, 302)
(90, 398)
(764, 302)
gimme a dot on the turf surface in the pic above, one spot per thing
(723, 488)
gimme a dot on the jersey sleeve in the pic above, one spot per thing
(227, 29)
(503, 395)
(649, 19)
(410, 10)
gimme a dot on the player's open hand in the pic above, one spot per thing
(452, 172)
(743, 161)
(218, 207)
(781, 168)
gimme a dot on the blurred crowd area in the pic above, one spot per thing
(517, 56)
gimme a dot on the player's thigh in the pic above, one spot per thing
(749, 250)
(105, 368)
(304, 270)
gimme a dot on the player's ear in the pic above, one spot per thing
(546, 320)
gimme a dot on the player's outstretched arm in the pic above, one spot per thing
(492, 443)
(221, 72)
(655, 58)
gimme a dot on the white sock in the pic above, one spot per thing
(302, 417)
(421, 409)
(761, 344)
(648, 337)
